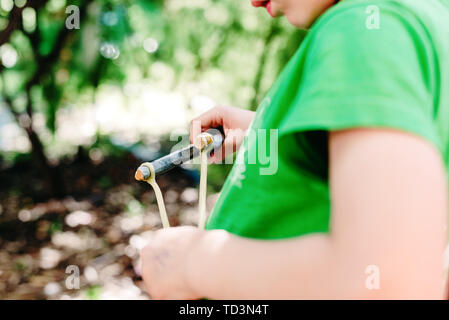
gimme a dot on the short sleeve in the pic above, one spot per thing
(356, 75)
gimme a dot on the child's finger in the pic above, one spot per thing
(210, 119)
(195, 129)
(228, 147)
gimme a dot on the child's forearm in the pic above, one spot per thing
(386, 239)
(224, 266)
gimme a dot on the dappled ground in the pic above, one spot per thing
(99, 228)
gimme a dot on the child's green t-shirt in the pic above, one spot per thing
(364, 63)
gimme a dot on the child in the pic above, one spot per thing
(356, 205)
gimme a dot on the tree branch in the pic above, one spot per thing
(15, 19)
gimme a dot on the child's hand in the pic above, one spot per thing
(234, 122)
(165, 263)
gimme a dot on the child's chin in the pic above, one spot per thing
(300, 22)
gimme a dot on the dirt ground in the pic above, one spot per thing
(92, 237)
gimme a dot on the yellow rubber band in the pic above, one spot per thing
(159, 198)
(202, 191)
(202, 142)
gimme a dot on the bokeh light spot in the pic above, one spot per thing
(150, 45)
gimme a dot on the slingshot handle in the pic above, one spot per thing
(179, 157)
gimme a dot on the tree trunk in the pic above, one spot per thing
(53, 179)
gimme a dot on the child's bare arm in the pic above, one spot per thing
(389, 207)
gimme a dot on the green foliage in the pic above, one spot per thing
(94, 292)
(216, 175)
(120, 41)
(108, 148)
(55, 226)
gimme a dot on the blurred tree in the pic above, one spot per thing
(46, 66)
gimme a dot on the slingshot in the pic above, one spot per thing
(206, 141)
